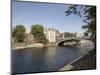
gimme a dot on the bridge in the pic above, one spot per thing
(70, 40)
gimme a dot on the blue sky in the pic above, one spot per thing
(48, 15)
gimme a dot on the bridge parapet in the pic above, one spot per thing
(59, 40)
(67, 38)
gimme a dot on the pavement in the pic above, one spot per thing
(86, 62)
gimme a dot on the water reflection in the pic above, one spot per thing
(45, 59)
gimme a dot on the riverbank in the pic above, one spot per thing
(16, 46)
(23, 46)
(85, 62)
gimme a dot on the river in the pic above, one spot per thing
(46, 59)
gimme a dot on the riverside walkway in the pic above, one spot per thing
(86, 62)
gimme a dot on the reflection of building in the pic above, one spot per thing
(51, 34)
(29, 38)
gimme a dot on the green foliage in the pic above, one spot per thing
(73, 9)
(19, 33)
(85, 34)
(20, 36)
(89, 15)
(90, 20)
(38, 32)
(43, 40)
(37, 29)
(13, 32)
(68, 34)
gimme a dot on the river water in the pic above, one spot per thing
(46, 59)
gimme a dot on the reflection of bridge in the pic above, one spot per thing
(60, 41)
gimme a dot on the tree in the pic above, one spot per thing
(43, 40)
(85, 34)
(89, 15)
(19, 33)
(38, 32)
(13, 32)
(68, 34)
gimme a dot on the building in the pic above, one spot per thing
(60, 35)
(51, 34)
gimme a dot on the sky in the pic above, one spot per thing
(46, 14)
